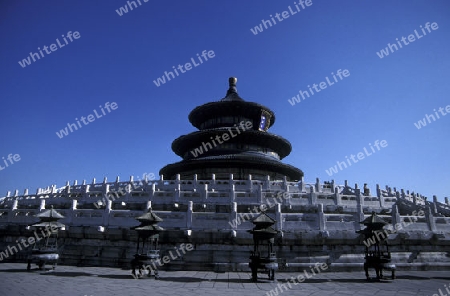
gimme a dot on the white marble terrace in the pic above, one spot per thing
(213, 204)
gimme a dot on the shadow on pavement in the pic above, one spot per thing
(117, 276)
(361, 281)
(15, 270)
(412, 277)
(67, 273)
(182, 279)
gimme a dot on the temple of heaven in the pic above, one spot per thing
(230, 173)
(233, 138)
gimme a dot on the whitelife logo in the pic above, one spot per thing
(440, 291)
(122, 10)
(304, 94)
(33, 55)
(423, 123)
(225, 137)
(285, 14)
(258, 209)
(11, 250)
(188, 66)
(411, 38)
(379, 235)
(299, 279)
(90, 118)
(12, 160)
(166, 259)
(342, 165)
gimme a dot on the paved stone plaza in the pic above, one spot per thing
(95, 281)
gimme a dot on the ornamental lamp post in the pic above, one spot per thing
(147, 249)
(45, 250)
(377, 253)
(263, 232)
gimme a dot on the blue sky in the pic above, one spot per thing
(116, 58)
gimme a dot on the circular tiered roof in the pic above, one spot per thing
(240, 165)
(233, 139)
(231, 105)
(183, 144)
(233, 108)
